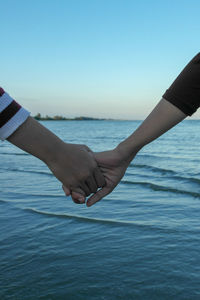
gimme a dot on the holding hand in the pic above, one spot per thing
(75, 166)
(113, 165)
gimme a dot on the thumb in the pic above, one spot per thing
(98, 196)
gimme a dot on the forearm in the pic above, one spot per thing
(35, 139)
(163, 117)
(73, 165)
(182, 99)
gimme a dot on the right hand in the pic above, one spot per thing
(113, 166)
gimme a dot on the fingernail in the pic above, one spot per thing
(81, 199)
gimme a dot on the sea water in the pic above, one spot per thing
(140, 242)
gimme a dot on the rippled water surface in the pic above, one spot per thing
(140, 242)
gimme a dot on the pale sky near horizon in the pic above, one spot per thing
(100, 58)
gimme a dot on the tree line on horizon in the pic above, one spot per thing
(39, 117)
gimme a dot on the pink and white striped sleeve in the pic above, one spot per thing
(12, 115)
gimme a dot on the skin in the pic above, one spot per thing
(73, 165)
(114, 163)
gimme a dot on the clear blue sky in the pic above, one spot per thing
(102, 58)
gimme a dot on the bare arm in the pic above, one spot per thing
(73, 165)
(163, 117)
(114, 163)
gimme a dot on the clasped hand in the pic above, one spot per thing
(91, 173)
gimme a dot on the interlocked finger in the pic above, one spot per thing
(92, 185)
(99, 178)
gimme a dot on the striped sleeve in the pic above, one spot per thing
(12, 115)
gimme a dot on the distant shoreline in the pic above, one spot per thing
(39, 117)
(61, 118)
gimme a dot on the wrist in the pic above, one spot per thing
(51, 151)
(128, 149)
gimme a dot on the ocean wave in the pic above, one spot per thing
(167, 156)
(69, 216)
(94, 220)
(8, 153)
(156, 187)
(150, 156)
(166, 172)
(3, 201)
(188, 179)
(153, 169)
(27, 171)
(195, 180)
(142, 225)
(20, 196)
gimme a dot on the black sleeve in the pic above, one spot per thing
(184, 92)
